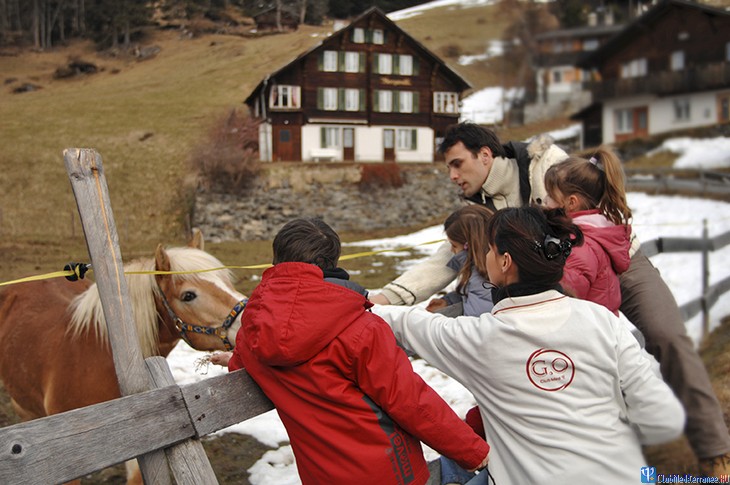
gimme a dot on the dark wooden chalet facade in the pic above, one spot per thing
(667, 70)
(368, 93)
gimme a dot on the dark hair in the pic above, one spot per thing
(307, 240)
(599, 181)
(538, 240)
(474, 137)
(468, 225)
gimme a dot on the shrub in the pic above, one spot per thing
(229, 158)
(381, 175)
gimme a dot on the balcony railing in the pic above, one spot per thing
(665, 83)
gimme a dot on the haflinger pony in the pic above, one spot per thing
(54, 350)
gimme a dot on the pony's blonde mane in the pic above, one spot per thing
(87, 313)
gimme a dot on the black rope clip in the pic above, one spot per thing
(79, 270)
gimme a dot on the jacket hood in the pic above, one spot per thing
(294, 313)
(614, 239)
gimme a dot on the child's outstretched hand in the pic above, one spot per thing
(221, 358)
(436, 304)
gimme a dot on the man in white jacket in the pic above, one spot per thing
(512, 175)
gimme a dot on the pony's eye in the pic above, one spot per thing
(188, 296)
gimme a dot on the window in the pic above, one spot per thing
(388, 135)
(624, 121)
(352, 61)
(405, 102)
(385, 101)
(445, 102)
(681, 109)
(348, 137)
(329, 101)
(285, 97)
(635, 68)
(358, 35)
(724, 107)
(406, 139)
(590, 44)
(329, 61)
(557, 76)
(330, 137)
(352, 99)
(677, 61)
(378, 36)
(405, 65)
(385, 64)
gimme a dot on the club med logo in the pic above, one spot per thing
(648, 474)
(550, 370)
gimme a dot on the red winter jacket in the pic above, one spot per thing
(346, 393)
(592, 269)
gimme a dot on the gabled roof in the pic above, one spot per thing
(459, 81)
(640, 25)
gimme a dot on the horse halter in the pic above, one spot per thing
(220, 331)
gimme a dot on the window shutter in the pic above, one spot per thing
(415, 101)
(320, 61)
(396, 102)
(385, 37)
(341, 61)
(415, 66)
(320, 98)
(322, 137)
(396, 63)
(368, 36)
(361, 68)
(376, 101)
(376, 63)
(341, 99)
(414, 139)
(361, 97)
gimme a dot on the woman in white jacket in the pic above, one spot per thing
(565, 393)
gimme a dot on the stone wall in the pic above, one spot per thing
(285, 191)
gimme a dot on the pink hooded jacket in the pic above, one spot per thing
(592, 269)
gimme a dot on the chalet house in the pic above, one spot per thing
(667, 70)
(559, 82)
(266, 20)
(368, 93)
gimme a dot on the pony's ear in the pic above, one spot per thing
(162, 263)
(197, 241)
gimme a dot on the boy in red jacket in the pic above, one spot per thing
(353, 407)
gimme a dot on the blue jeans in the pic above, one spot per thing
(453, 473)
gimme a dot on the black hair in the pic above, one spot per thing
(474, 137)
(307, 240)
(538, 240)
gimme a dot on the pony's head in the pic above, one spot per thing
(180, 292)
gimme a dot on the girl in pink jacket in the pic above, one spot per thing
(591, 191)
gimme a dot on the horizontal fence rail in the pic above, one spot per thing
(700, 182)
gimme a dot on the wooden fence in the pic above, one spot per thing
(158, 421)
(704, 183)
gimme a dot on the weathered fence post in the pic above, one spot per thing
(86, 174)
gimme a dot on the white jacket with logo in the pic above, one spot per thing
(565, 393)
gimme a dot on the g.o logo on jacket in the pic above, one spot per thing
(550, 370)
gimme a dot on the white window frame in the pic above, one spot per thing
(676, 62)
(378, 36)
(405, 65)
(385, 101)
(682, 109)
(445, 102)
(329, 99)
(404, 139)
(358, 35)
(352, 99)
(385, 64)
(331, 137)
(405, 101)
(624, 119)
(284, 96)
(352, 61)
(329, 61)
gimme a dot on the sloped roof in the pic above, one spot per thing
(639, 26)
(460, 81)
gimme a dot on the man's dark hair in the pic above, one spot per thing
(307, 240)
(473, 136)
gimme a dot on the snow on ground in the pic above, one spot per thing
(707, 153)
(419, 9)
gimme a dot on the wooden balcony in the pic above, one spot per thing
(665, 83)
